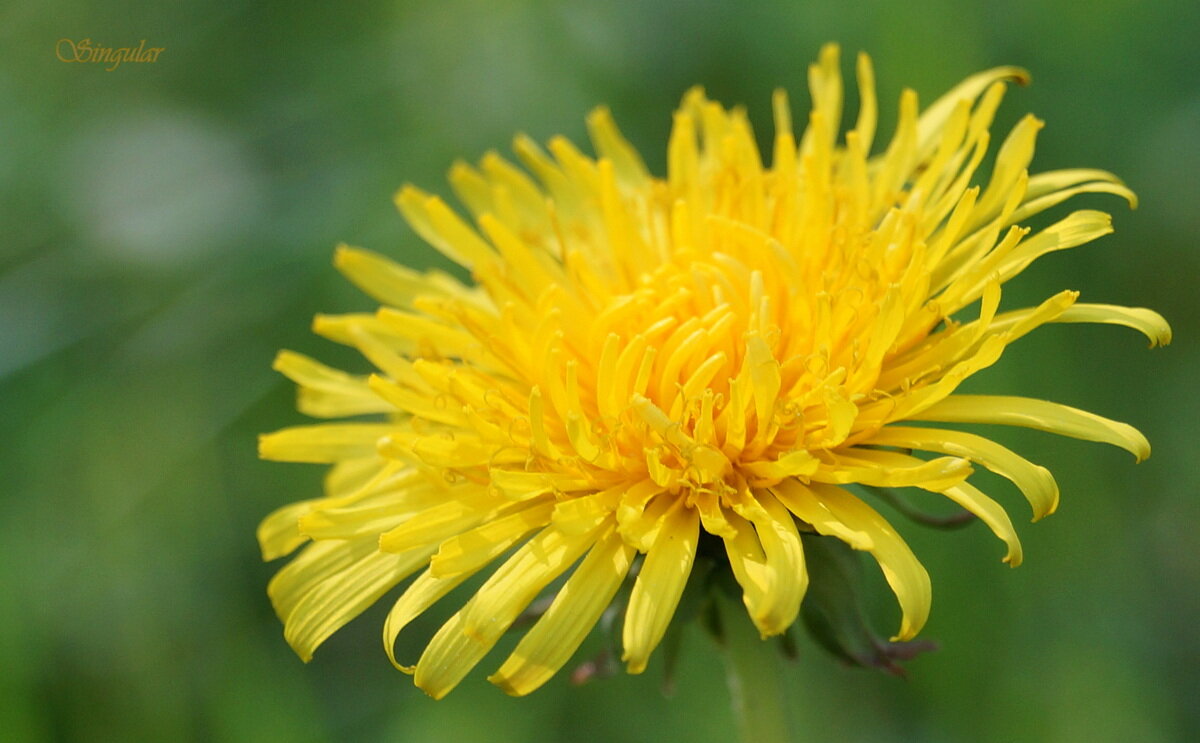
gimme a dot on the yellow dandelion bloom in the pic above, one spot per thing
(642, 364)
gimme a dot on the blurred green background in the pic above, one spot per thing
(167, 227)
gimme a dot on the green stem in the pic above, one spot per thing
(754, 675)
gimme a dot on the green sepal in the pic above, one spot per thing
(833, 609)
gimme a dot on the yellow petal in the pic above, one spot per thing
(421, 594)
(834, 512)
(440, 408)
(385, 280)
(472, 188)
(445, 520)
(868, 110)
(934, 119)
(563, 190)
(1015, 324)
(894, 167)
(573, 613)
(347, 328)
(783, 157)
(798, 463)
(1054, 187)
(1051, 181)
(906, 406)
(394, 481)
(442, 228)
(512, 183)
(748, 563)
(682, 158)
(278, 534)
(529, 267)
(473, 549)
(576, 515)
(886, 469)
(518, 485)
(1041, 415)
(1076, 229)
(348, 475)
(350, 521)
(317, 562)
(448, 449)
(1148, 322)
(764, 380)
(659, 586)
(825, 87)
(942, 350)
(323, 444)
(990, 513)
(427, 332)
(612, 145)
(642, 526)
(463, 641)
(784, 556)
(326, 392)
(383, 349)
(1005, 191)
(345, 595)
(1035, 482)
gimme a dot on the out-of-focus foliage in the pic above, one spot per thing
(168, 226)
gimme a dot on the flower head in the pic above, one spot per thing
(728, 355)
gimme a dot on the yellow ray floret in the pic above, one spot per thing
(646, 368)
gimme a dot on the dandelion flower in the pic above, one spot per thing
(640, 367)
